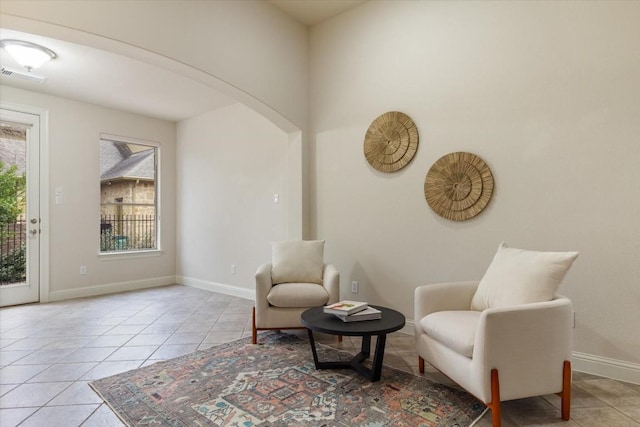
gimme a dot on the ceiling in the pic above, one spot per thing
(312, 12)
(115, 81)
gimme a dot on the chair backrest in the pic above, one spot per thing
(297, 261)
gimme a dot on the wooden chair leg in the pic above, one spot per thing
(339, 338)
(254, 331)
(566, 391)
(421, 365)
(494, 405)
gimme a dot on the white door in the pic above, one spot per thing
(20, 239)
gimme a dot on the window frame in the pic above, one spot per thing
(156, 145)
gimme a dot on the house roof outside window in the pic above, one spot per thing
(119, 161)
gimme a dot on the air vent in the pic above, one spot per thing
(15, 74)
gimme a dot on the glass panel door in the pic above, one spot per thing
(19, 208)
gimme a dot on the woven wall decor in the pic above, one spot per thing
(391, 141)
(458, 186)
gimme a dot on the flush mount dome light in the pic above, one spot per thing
(29, 55)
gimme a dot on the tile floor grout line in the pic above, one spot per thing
(228, 310)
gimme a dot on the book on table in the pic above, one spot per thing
(345, 308)
(368, 313)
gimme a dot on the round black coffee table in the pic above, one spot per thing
(315, 319)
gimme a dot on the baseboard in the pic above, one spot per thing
(111, 288)
(217, 287)
(606, 367)
(587, 363)
(408, 328)
(581, 362)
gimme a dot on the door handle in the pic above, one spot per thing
(33, 231)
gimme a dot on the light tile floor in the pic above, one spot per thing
(49, 352)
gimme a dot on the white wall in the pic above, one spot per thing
(250, 45)
(230, 163)
(249, 50)
(547, 93)
(74, 235)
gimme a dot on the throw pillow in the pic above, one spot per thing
(298, 261)
(518, 276)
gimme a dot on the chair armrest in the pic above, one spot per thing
(331, 282)
(442, 297)
(525, 335)
(263, 284)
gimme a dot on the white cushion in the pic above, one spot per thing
(455, 329)
(296, 295)
(518, 276)
(297, 261)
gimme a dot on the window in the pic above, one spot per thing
(128, 194)
(13, 225)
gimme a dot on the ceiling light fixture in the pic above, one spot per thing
(29, 55)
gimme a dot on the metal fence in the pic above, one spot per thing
(13, 246)
(127, 232)
(117, 233)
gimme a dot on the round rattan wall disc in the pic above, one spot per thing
(391, 141)
(458, 186)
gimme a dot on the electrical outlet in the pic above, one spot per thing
(83, 270)
(354, 287)
(233, 269)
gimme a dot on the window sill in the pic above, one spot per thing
(116, 255)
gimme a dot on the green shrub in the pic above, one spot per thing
(13, 265)
(12, 188)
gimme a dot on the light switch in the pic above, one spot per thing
(58, 195)
(276, 198)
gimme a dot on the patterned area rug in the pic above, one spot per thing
(276, 384)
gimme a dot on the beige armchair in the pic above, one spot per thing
(493, 338)
(297, 279)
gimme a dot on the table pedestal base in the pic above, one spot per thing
(356, 362)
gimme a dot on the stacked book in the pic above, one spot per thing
(353, 311)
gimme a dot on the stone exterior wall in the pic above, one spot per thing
(12, 146)
(128, 197)
(127, 212)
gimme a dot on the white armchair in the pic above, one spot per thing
(297, 279)
(493, 347)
